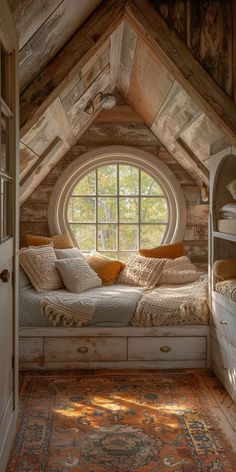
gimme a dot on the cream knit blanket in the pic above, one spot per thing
(174, 305)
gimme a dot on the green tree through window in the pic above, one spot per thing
(116, 209)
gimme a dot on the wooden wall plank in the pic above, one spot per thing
(173, 52)
(176, 113)
(210, 38)
(68, 61)
(200, 136)
(29, 16)
(128, 47)
(41, 134)
(27, 159)
(84, 78)
(76, 115)
(119, 114)
(115, 54)
(174, 13)
(133, 134)
(151, 82)
(51, 36)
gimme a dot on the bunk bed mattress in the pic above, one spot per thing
(172, 305)
(114, 305)
(227, 288)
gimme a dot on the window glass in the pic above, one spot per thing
(116, 209)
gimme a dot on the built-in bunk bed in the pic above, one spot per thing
(223, 264)
(150, 313)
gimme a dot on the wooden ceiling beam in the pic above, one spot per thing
(68, 61)
(181, 63)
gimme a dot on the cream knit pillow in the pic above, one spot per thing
(39, 264)
(77, 275)
(178, 271)
(141, 271)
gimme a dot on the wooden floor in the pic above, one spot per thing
(222, 402)
(225, 407)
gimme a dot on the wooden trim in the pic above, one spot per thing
(69, 61)
(181, 63)
(59, 115)
(91, 331)
(42, 161)
(161, 364)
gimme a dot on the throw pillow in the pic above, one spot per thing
(39, 264)
(168, 251)
(77, 275)
(59, 241)
(105, 267)
(68, 253)
(178, 272)
(225, 268)
(141, 271)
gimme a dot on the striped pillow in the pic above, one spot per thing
(39, 264)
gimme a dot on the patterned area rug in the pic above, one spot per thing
(118, 421)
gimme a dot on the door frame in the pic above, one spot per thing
(9, 39)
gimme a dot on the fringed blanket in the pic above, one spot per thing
(103, 306)
(174, 305)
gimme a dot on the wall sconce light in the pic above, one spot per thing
(104, 100)
(204, 193)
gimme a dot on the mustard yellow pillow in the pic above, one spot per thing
(225, 268)
(59, 241)
(105, 267)
(167, 251)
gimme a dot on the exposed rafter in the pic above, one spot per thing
(181, 63)
(70, 59)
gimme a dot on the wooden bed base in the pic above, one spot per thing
(115, 348)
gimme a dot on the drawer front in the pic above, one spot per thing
(225, 322)
(167, 348)
(85, 349)
(31, 349)
(224, 366)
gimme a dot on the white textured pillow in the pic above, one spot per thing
(178, 271)
(39, 264)
(69, 253)
(77, 275)
(141, 271)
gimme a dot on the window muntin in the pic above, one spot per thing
(116, 209)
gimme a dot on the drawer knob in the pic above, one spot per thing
(82, 349)
(165, 348)
(224, 367)
(223, 322)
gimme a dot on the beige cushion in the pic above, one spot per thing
(141, 271)
(39, 264)
(77, 275)
(178, 271)
(225, 268)
(68, 253)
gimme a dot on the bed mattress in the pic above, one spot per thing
(115, 305)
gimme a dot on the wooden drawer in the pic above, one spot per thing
(167, 348)
(224, 367)
(31, 349)
(85, 349)
(224, 319)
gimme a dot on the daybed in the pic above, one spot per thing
(165, 327)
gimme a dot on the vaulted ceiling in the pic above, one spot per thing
(126, 46)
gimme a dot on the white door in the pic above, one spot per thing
(8, 230)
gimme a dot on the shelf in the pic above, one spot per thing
(228, 237)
